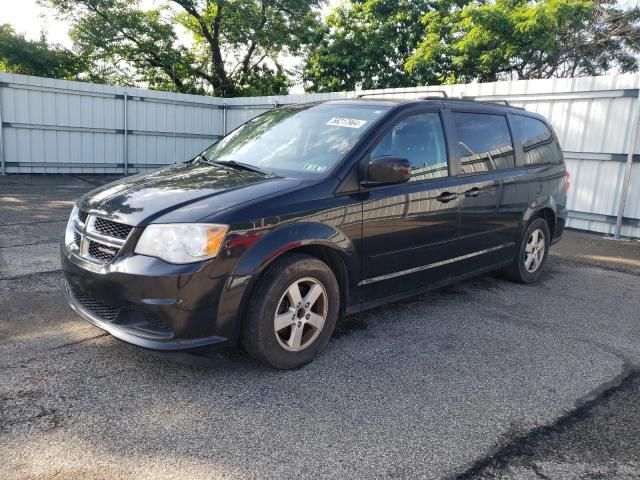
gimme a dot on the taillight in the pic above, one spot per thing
(565, 182)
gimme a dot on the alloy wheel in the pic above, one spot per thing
(301, 314)
(534, 250)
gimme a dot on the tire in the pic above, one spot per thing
(279, 332)
(532, 254)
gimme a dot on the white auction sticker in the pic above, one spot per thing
(314, 168)
(346, 122)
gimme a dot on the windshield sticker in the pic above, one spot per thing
(315, 168)
(346, 122)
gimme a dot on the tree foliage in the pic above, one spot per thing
(379, 44)
(491, 40)
(27, 57)
(366, 43)
(235, 46)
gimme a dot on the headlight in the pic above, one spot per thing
(181, 242)
(68, 234)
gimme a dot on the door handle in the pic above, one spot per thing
(446, 197)
(474, 192)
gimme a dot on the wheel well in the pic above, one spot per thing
(550, 217)
(329, 256)
(335, 262)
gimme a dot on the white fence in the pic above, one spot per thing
(56, 126)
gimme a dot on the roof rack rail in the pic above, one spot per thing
(500, 101)
(435, 97)
(441, 92)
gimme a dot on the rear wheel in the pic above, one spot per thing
(293, 312)
(532, 253)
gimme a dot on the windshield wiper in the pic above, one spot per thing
(244, 166)
(233, 164)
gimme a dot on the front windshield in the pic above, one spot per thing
(303, 139)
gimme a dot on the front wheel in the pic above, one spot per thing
(532, 253)
(293, 312)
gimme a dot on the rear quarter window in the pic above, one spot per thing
(538, 142)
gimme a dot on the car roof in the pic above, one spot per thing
(446, 102)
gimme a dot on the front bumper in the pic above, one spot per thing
(148, 302)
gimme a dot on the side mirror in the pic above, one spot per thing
(387, 169)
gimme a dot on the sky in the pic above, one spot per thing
(30, 19)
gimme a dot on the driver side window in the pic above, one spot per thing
(420, 139)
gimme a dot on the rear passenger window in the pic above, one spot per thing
(538, 142)
(484, 142)
(419, 139)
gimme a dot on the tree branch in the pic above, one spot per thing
(246, 61)
(152, 57)
(213, 38)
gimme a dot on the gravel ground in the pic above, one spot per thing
(597, 441)
(485, 379)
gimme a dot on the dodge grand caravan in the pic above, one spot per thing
(313, 211)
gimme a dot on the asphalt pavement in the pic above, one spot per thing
(484, 379)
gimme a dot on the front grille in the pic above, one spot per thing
(148, 322)
(94, 306)
(102, 252)
(144, 324)
(98, 239)
(112, 229)
(156, 324)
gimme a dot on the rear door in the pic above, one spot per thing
(493, 196)
(409, 229)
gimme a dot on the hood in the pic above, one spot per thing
(180, 193)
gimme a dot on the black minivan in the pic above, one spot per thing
(309, 212)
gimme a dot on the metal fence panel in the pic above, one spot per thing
(56, 126)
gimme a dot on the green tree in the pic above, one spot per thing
(504, 39)
(366, 43)
(234, 47)
(379, 44)
(27, 57)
